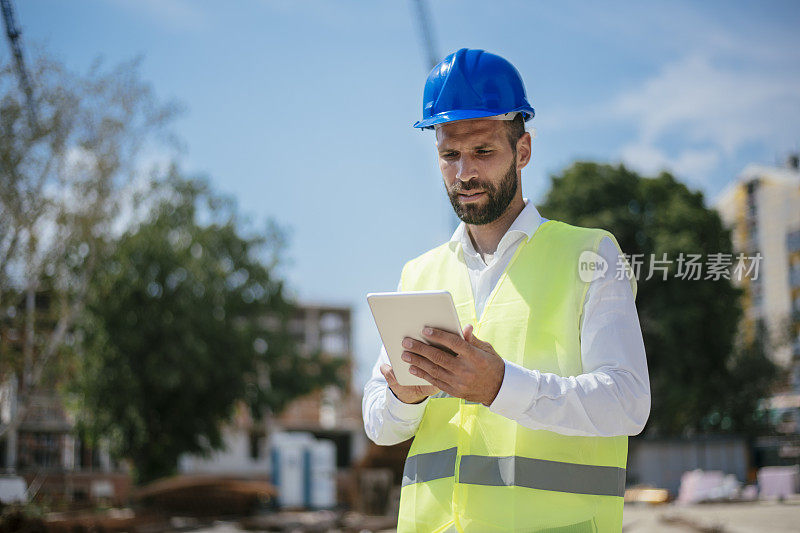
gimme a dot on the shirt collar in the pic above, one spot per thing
(526, 223)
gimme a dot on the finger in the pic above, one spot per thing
(438, 383)
(427, 365)
(450, 340)
(431, 353)
(430, 390)
(388, 373)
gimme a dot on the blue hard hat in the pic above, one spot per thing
(472, 84)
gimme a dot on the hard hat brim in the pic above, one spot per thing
(465, 114)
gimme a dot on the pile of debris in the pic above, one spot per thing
(196, 495)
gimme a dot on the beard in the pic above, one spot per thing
(498, 197)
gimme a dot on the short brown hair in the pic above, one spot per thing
(514, 130)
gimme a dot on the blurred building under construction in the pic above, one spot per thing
(331, 414)
(762, 207)
(46, 450)
(42, 446)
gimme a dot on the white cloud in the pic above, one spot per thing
(694, 162)
(706, 103)
(700, 110)
(725, 90)
(691, 163)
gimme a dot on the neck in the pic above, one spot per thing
(486, 237)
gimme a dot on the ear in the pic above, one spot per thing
(523, 150)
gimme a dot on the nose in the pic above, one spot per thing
(467, 169)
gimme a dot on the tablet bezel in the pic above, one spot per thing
(405, 314)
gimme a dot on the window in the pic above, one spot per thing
(255, 446)
(40, 450)
(793, 241)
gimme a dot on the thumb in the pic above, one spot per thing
(470, 337)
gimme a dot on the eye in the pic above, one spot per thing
(448, 155)
(483, 151)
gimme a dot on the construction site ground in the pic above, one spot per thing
(741, 517)
(759, 517)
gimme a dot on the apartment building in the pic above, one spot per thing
(762, 207)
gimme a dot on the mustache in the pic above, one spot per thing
(460, 187)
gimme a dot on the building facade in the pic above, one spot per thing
(57, 465)
(762, 208)
(332, 413)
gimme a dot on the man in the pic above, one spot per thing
(525, 429)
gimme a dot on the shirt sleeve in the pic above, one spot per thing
(387, 420)
(612, 396)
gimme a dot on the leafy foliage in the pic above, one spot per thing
(183, 321)
(702, 378)
(62, 179)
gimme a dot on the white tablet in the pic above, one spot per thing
(405, 314)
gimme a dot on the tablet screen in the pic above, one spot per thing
(405, 314)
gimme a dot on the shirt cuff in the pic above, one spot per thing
(406, 412)
(517, 392)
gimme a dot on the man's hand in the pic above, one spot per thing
(404, 393)
(475, 373)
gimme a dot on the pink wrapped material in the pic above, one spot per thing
(778, 481)
(699, 486)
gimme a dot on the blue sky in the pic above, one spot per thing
(302, 110)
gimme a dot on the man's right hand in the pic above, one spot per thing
(407, 394)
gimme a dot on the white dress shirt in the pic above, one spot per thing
(611, 397)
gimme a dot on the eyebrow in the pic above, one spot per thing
(484, 144)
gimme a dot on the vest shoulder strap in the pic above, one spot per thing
(577, 238)
(438, 256)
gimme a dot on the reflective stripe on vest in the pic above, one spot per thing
(542, 474)
(516, 471)
(425, 467)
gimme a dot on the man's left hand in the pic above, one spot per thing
(474, 373)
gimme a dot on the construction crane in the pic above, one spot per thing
(13, 34)
(426, 33)
(429, 47)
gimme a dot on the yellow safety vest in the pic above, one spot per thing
(470, 469)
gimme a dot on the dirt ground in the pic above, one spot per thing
(755, 517)
(759, 517)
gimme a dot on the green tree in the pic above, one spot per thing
(62, 182)
(184, 320)
(703, 378)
